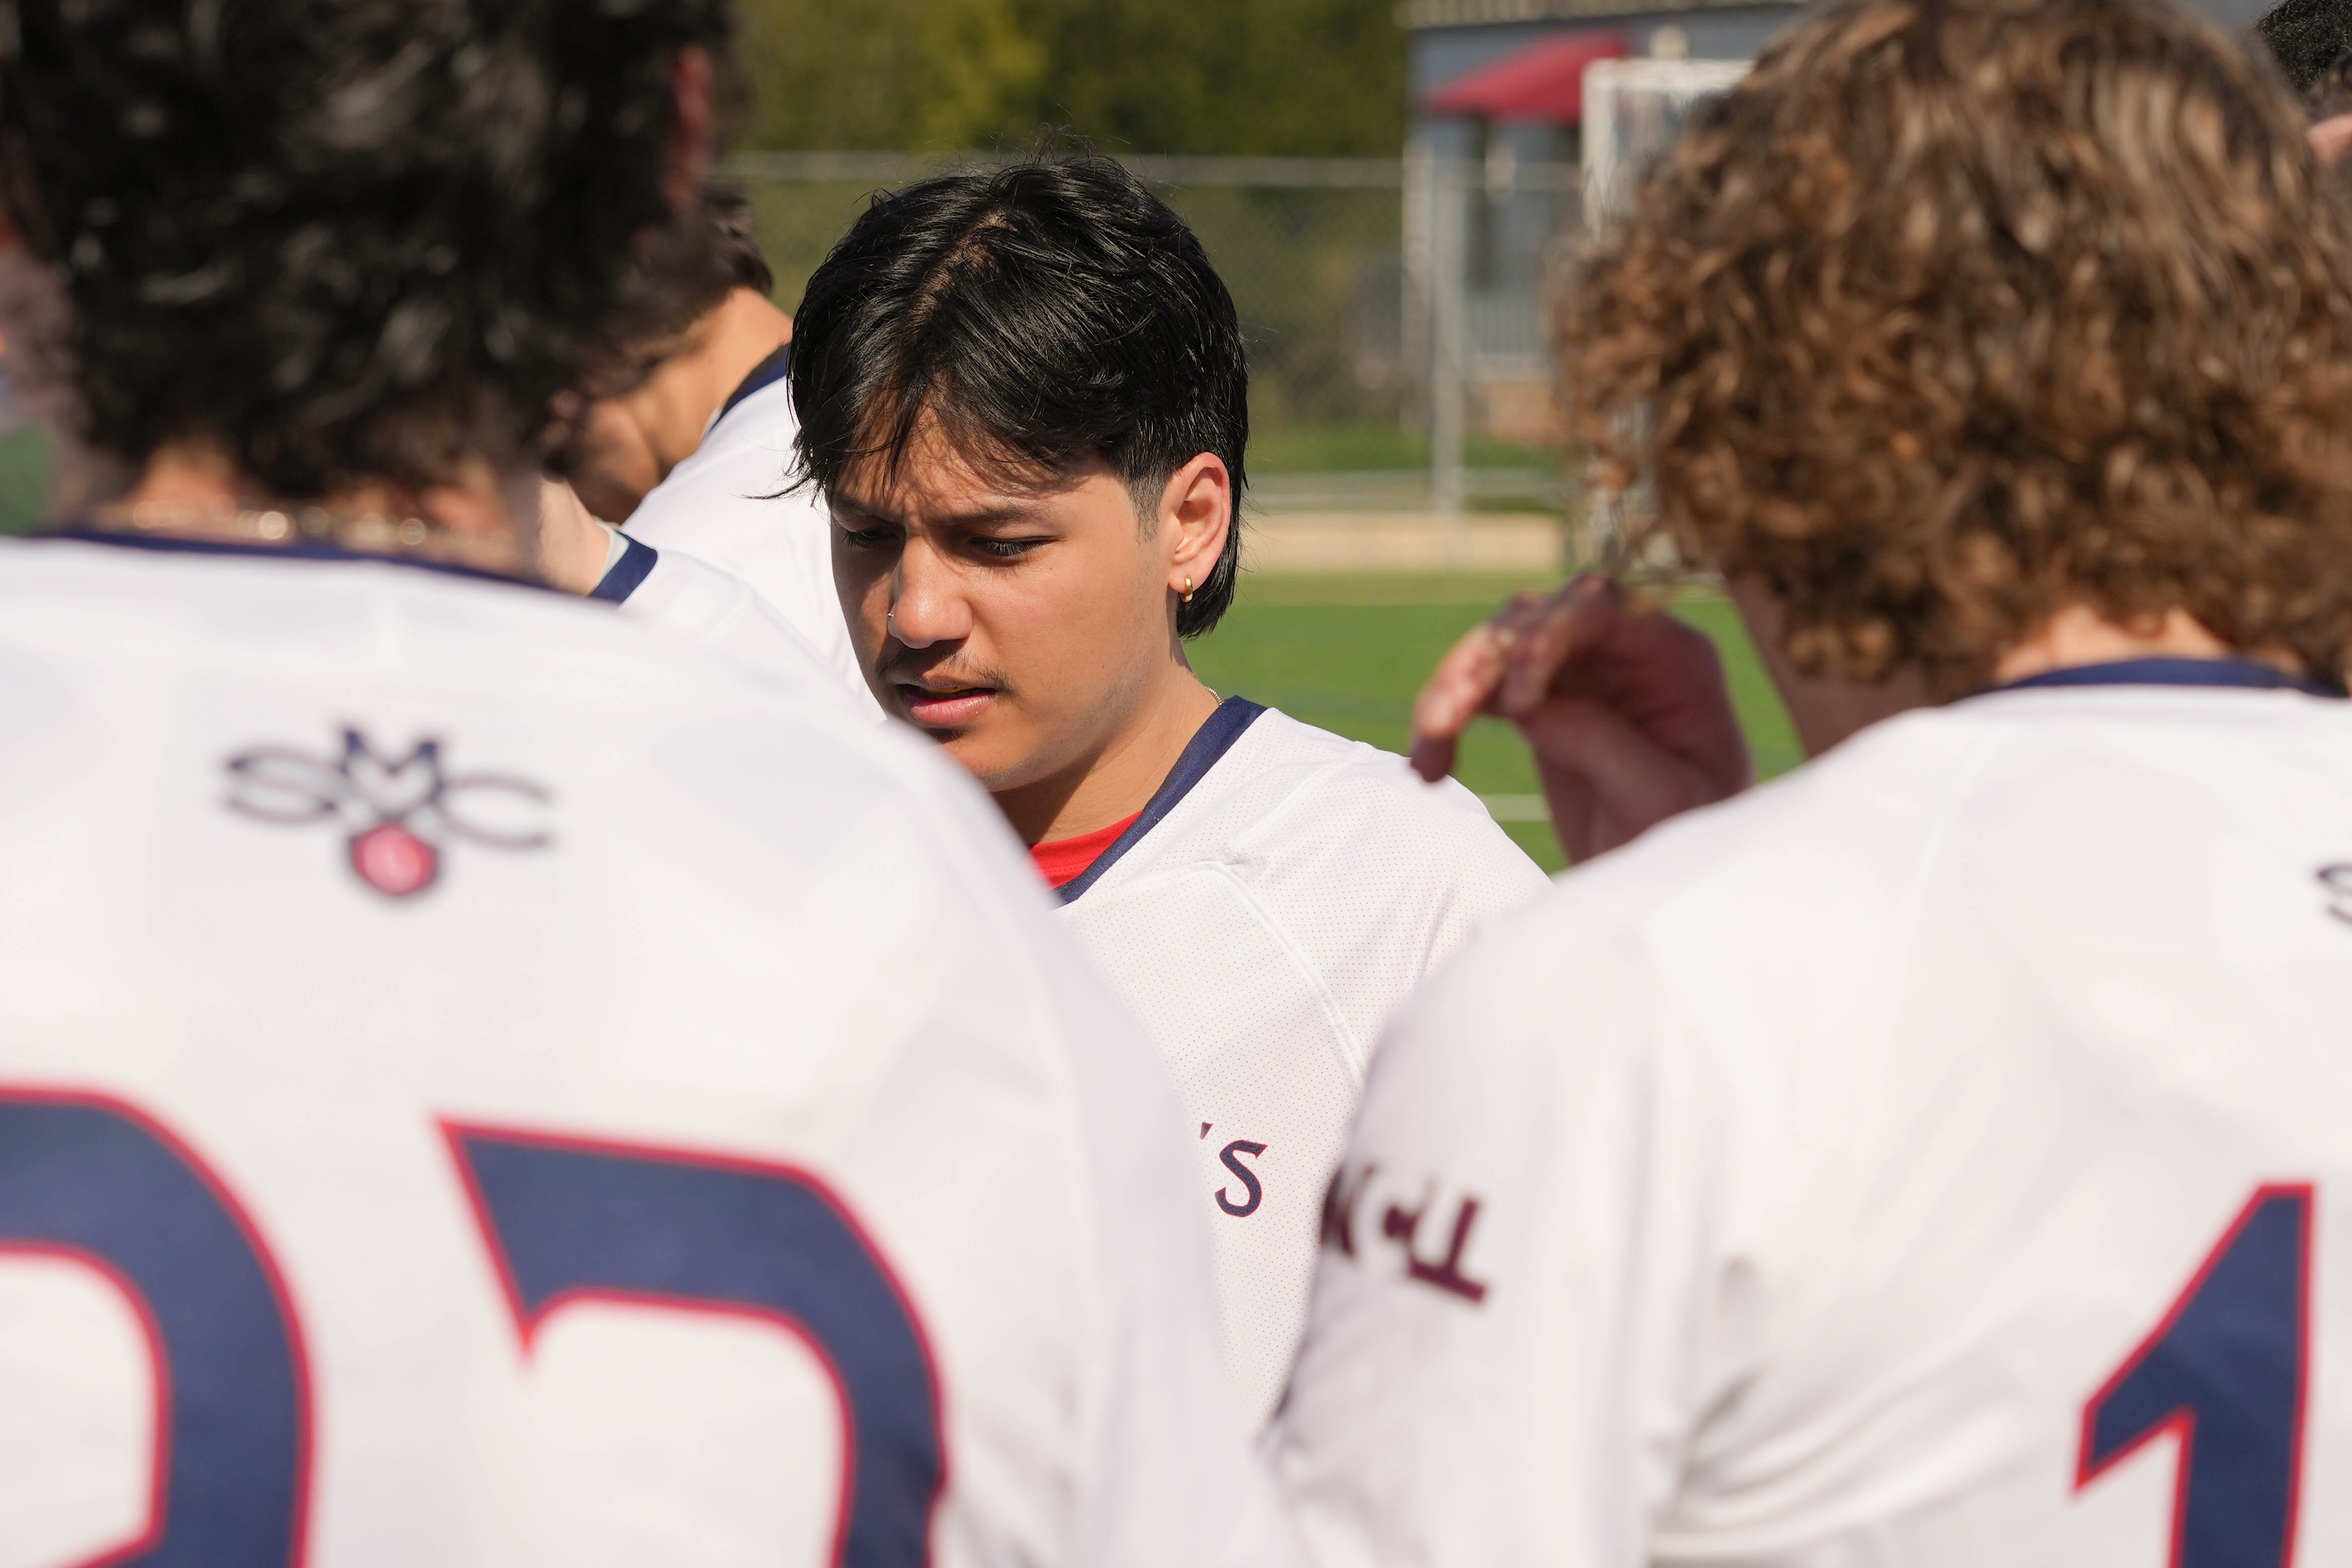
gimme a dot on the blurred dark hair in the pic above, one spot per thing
(2311, 41)
(678, 277)
(341, 239)
(1044, 314)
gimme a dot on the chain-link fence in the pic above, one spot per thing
(1391, 307)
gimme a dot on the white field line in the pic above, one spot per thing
(1516, 808)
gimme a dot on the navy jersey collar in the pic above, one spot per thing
(764, 374)
(1209, 743)
(306, 549)
(2246, 673)
(626, 574)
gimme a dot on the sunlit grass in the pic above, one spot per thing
(1349, 653)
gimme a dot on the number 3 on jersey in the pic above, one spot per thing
(2225, 1373)
(96, 1181)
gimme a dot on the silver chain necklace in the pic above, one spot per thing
(367, 533)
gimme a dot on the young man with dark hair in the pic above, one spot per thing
(1935, 1156)
(1023, 395)
(479, 1084)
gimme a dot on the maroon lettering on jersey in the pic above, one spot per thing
(1339, 1207)
(1400, 1224)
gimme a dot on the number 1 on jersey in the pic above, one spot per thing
(2225, 1373)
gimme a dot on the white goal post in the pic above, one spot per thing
(1633, 112)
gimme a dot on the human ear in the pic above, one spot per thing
(693, 133)
(1196, 513)
(2329, 137)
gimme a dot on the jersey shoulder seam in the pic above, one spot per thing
(1359, 1056)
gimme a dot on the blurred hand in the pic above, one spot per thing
(1625, 708)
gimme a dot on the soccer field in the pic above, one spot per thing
(1349, 653)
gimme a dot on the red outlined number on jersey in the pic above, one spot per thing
(2224, 1375)
(101, 1183)
(567, 1220)
(99, 1180)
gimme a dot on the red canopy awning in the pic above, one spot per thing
(1543, 80)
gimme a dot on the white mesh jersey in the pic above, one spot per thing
(481, 1085)
(1283, 891)
(672, 594)
(724, 503)
(1939, 1157)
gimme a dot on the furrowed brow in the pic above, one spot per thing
(990, 516)
(842, 506)
(982, 517)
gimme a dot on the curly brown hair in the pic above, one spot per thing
(1955, 313)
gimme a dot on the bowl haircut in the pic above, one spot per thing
(344, 240)
(1956, 313)
(1044, 315)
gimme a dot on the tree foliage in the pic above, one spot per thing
(853, 74)
(1290, 77)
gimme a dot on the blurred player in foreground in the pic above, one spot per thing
(479, 1084)
(692, 436)
(1936, 1156)
(1023, 395)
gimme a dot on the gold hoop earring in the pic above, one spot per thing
(1188, 590)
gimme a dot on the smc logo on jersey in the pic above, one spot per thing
(394, 815)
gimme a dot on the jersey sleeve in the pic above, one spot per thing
(732, 503)
(1487, 874)
(1513, 1301)
(1168, 1476)
(690, 600)
(1377, 879)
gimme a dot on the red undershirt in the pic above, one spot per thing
(1065, 859)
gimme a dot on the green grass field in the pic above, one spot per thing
(1349, 653)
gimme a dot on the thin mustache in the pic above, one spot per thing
(910, 672)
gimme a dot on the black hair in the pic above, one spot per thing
(1044, 313)
(2311, 42)
(341, 239)
(734, 245)
(678, 277)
